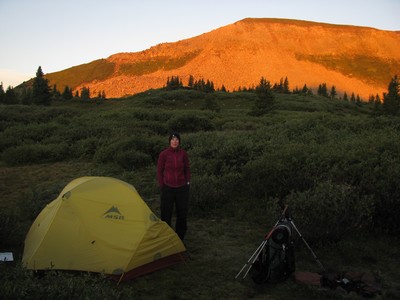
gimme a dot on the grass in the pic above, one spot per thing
(218, 247)
(72, 77)
(377, 71)
(157, 63)
(102, 69)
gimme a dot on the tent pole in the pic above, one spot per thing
(120, 278)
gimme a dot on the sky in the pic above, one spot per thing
(59, 34)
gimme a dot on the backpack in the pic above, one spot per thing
(276, 260)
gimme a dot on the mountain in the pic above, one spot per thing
(353, 59)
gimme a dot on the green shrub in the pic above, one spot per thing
(35, 198)
(156, 127)
(130, 152)
(206, 194)
(383, 182)
(16, 217)
(11, 232)
(214, 194)
(279, 171)
(218, 153)
(190, 123)
(240, 125)
(132, 159)
(235, 152)
(329, 211)
(79, 131)
(85, 148)
(20, 134)
(35, 153)
(211, 104)
(225, 195)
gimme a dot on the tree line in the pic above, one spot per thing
(40, 93)
(389, 105)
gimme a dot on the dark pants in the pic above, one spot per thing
(179, 197)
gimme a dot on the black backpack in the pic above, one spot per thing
(276, 261)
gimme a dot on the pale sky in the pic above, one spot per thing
(57, 34)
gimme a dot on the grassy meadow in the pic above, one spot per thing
(336, 163)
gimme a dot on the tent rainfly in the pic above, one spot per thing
(101, 224)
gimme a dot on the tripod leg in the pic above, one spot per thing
(308, 246)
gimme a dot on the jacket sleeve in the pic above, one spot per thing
(187, 167)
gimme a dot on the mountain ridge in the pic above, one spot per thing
(353, 58)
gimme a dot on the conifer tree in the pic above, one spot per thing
(265, 99)
(2, 93)
(391, 99)
(352, 98)
(85, 93)
(377, 104)
(67, 93)
(322, 90)
(371, 99)
(280, 87)
(333, 92)
(41, 93)
(55, 93)
(174, 83)
(286, 86)
(26, 96)
(345, 97)
(191, 81)
(10, 96)
(199, 85)
(304, 89)
(209, 87)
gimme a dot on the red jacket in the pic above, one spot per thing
(173, 168)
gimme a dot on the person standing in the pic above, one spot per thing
(173, 176)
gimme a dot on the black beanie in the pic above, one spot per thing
(175, 134)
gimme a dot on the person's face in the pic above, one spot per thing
(174, 143)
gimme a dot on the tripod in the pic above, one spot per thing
(248, 265)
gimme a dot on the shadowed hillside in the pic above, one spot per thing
(354, 59)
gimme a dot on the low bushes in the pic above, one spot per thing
(236, 159)
(131, 152)
(211, 194)
(329, 211)
(190, 123)
(35, 153)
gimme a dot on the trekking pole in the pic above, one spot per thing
(251, 260)
(308, 246)
(256, 253)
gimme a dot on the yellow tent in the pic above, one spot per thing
(100, 224)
